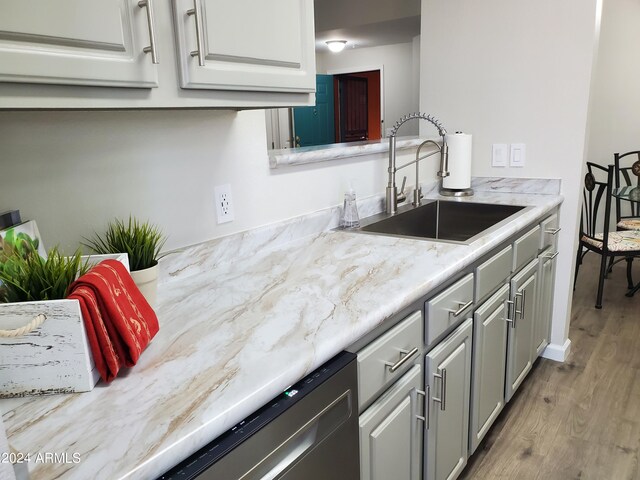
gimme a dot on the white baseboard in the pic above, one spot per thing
(556, 352)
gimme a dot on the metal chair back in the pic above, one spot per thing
(596, 194)
(627, 174)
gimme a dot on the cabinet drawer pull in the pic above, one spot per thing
(195, 11)
(152, 31)
(463, 307)
(395, 366)
(507, 319)
(443, 389)
(524, 303)
(551, 256)
(553, 232)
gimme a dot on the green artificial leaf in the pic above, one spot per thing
(142, 241)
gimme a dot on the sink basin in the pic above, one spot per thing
(440, 220)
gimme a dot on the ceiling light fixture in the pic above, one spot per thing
(336, 45)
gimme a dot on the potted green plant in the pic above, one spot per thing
(31, 278)
(43, 341)
(142, 241)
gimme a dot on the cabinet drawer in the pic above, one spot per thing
(376, 360)
(549, 232)
(440, 310)
(525, 248)
(493, 272)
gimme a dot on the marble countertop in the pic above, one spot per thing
(242, 318)
(321, 153)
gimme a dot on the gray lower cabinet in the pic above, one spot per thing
(490, 324)
(520, 337)
(546, 275)
(391, 431)
(448, 384)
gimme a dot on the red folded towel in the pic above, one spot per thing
(119, 321)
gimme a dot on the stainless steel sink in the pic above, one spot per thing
(440, 220)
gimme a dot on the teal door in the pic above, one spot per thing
(315, 125)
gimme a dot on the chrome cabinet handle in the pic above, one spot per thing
(408, 354)
(152, 31)
(515, 306)
(423, 417)
(507, 319)
(553, 232)
(524, 303)
(463, 307)
(443, 389)
(551, 256)
(195, 11)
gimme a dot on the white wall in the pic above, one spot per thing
(73, 171)
(399, 86)
(517, 72)
(615, 102)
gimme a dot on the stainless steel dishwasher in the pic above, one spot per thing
(309, 432)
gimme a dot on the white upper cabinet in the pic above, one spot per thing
(69, 54)
(77, 42)
(246, 44)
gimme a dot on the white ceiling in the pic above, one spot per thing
(366, 23)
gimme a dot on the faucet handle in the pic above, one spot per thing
(401, 197)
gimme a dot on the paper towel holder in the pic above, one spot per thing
(459, 173)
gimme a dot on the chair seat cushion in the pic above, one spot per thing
(629, 224)
(625, 241)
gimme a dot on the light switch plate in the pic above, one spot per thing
(499, 157)
(518, 155)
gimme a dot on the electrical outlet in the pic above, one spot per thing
(224, 203)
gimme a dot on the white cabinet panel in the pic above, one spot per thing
(391, 432)
(448, 370)
(489, 351)
(76, 42)
(246, 45)
(520, 351)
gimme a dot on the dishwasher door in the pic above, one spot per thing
(309, 432)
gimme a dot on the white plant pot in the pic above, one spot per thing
(147, 282)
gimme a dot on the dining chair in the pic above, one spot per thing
(607, 244)
(627, 174)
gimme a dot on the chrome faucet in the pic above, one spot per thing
(392, 190)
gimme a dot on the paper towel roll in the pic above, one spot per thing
(460, 146)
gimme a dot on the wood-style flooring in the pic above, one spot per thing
(579, 419)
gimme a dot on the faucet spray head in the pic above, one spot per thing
(444, 160)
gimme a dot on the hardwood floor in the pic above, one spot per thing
(579, 419)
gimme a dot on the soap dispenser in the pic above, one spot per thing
(350, 218)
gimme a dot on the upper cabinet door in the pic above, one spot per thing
(77, 42)
(248, 45)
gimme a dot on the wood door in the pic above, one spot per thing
(354, 118)
(76, 42)
(246, 45)
(391, 433)
(448, 370)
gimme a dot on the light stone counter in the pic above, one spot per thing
(241, 318)
(288, 157)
